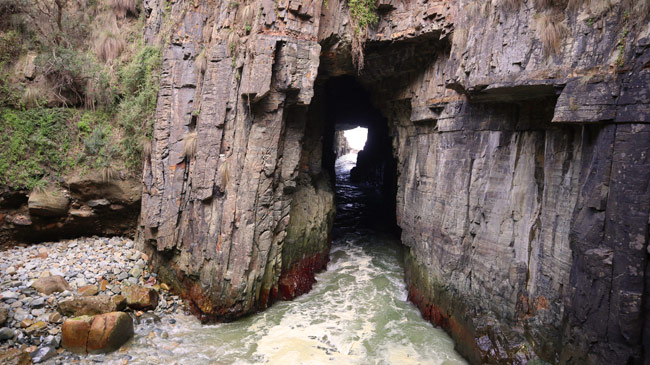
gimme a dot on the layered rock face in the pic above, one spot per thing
(89, 206)
(521, 132)
(243, 220)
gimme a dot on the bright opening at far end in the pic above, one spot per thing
(356, 137)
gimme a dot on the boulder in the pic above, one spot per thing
(99, 334)
(74, 334)
(29, 71)
(109, 331)
(48, 204)
(141, 298)
(51, 284)
(15, 357)
(97, 192)
(83, 212)
(99, 304)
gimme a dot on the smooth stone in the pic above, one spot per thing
(55, 318)
(6, 333)
(36, 327)
(20, 315)
(51, 284)
(43, 353)
(9, 295)
(37, 303)
(53, 341)
(135, 272)
(88, 290)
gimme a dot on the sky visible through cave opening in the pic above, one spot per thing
(356, 137)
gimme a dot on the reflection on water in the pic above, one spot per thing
(356, 313)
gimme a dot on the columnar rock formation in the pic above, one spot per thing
(522, 136)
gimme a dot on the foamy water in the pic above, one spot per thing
(356, 313)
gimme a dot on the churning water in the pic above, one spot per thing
(356, 313)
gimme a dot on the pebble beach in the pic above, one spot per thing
(31, 321)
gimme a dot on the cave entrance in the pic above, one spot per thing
(358, 155)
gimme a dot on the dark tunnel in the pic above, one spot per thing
(348, 105)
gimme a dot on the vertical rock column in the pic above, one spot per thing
(220, 190)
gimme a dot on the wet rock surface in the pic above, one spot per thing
(102, 333)
(37, 322)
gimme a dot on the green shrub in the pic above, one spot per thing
(98, 147)
(139, 88)
(33, 145)
(10, 46)
(67, 69)
(10, 92)
(83, 126)
(364, 14)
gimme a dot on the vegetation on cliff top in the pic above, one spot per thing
(363, 14)
(78, 89)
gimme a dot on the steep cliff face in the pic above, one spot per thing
(512, 199)
(235, 165)
(522, 137)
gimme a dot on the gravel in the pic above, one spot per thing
(81, 262)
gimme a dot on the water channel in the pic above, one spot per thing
(356, 313)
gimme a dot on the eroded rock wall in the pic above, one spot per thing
(89, 205)
(512, 182)
(520, 131)
(229, 156)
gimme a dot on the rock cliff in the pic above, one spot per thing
(521, 131)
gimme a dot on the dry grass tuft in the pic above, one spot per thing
(232, 39)
(222, 175)
(123, 7)
(246, 14)
(108, 47)
(146, 148)
(42, 190)
(201, 62)
(109, 174)
(189, 144)
(550, 33)
(31, 96)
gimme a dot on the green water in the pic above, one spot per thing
(356, 313)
